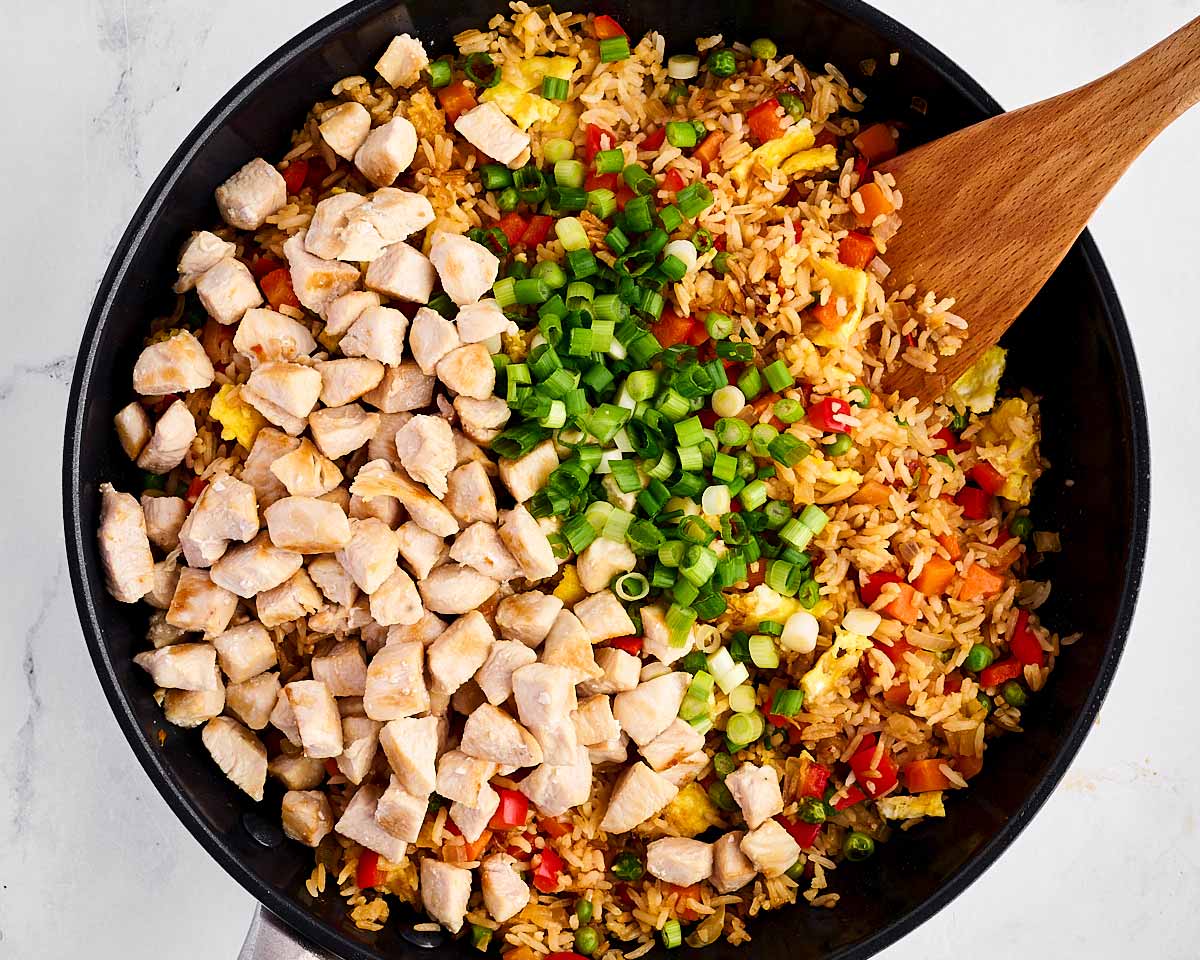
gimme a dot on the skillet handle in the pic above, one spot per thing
(269, 938)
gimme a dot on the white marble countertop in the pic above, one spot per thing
(99, 95)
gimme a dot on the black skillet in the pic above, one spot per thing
(1071, 347)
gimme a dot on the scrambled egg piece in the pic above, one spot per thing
(811, 161)
(849, 283)
(565, 123)
(1020, 464)
(528, 73)
(239, 421)
(768, 158)
(909, 808)
(525, 109)
(761, 603)
(691, 812)
(569, 590)
(975, 390)
(835, 664)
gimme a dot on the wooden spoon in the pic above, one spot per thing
(991, 210)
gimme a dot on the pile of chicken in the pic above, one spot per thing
(371, 512)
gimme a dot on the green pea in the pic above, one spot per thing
(722, 63)
(1021, 526)
(813, 810)
(865, 400)
(627, 867)
(1014, 694)
(583, 910)
(838, 445)
(978, 658)
(677, 91)
(796, 870)
(586, 941)
(153, 481)
(764, 49)
(795, 109)
(723, 765)
(858, 846)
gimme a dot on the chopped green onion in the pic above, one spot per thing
(689, 432)
(743, 699)
(672, 932)
(571, 234)
(684, 592)
(809, 594)
(720, 262)
(718, 325)
(569, 173)
(632, 586)
(778, 376)
(581, 262)
(680, 133)
(566, 199)
(693, 200)
(601, 203)
(698, 565)
(789, 410)
(508, 200)
(732, 432)
(719, 794)
(796, 533)
(750, 383)
(814, 518)
(865, 394)
(614, 49)
(487, 75)
(670, 218)
(744, 728)
(673, 268)
(723, 765)
(792, 104)
(670, 554)
(555, 88)
(440, 74)
(505, 292)
(495, 176)
(517, 441)
(753, 495)
(679, 621)
(530, 184)
(788, 450)
(715, 500)
(638, 179)
(761, 435)
(683, 66)
(481, 937)
(617, 524)
(638, 217)
(609, 161)
(778, 513)
(549, 273)
(533, 290)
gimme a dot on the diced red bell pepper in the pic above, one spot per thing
(514, 227)
(708, 418)
(813, 779)
(601, 181)
(263, 264)
(875, 583)
(697, 335)
(950, 441)
(295, 176)
(512, 811)
(318, 170)
(606, 27)
(553, 828)
(670, 328)
(878, 780)
(853, 796)
(631, 645)
(765, 122)
(596, 138)
(826, 415)
(331, 767)
(1000, 672)
(803, 833)
(988, 477)
(953, 682)
(565, 955)
(624, 195)
(673, 181)
(366, 874)
(1024, 642)
(976, 503)
(194, 489)
(277, 288)
(456, 99)
(825, 138)
(654, 140)
(856, 250)
(546, 873)
(537, 231)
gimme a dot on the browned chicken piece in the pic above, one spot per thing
(296, 597)
(462, 778)
(481, 321)
(425, 446)
(621, 672)
(468, 370)
(491, 734)
(610, 751)
(256, 567)
(306, 472)
(678, 742)
(495, 676)
(400, 813)
(227, 290)
(505, 894)
(306, 816)
(732, 869)
(332, 580)
(432, 337)
(378, 334)
(545, 695)
(402, 63)
(239, 753)
(166, 579)
(173, 434)
(458, 652)
(528, 544)
(556, 788)
(342, 312)
(386, 217)
(226, 509)
(316, 282)
(479, 547)
(403, 388)
(469, 494)
(164, 516)
(283, 719)
(269, 445)
(568, 645)
(387, 151)
(133, 428)
(528, 617)
(251, 195)
(345, 127)
(411, 745)
(421, 550)
(424, 631)
(370, 556)
(253, 700)
(594, 721)
(159, 633)
(297, 772)
(202, 251)
(453, 588)
(396, 682)
(360, 739)
(402, 273)
(346, 380)
(272, 412)
(327, 235)
(245, 651)
(679, 860)
(124, 546)
(473, 819)
(467, 269)
(468, 451)
(482, 420)
(265, 335)
(770, 848)
(338, 431)
(386, 509)
(445, 890)
(176, 365)
(358, 823)
(199, 604)
(756, 791)
(317, 717)
(181, 666)
(307, 525)
(648, 710)
(638, 795)
(396, 601)
(291, 386)
(193, 708)
(601, 561)
(343, 669)
(603, 616)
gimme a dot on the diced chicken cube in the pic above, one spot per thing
(269, 446)
(610, 751)
(491, 734)
(202, 251)
(420, 549)
(403, 387)
(756, 790)
(684, 771)
(487, 129)
(472, 819)
(595, 723)
(378, 333)
(199, 604)
(306, 816)
(410, 744)
(298, 772)
(255, 568)
(173, 434)
(376, 479)
(342, 430)
(528, 544)
(291, 386)
(283, 719)
(177, 365)
(164, 516)
(461, 778)
(545, 695)
(225, 510)
(396, 601)
(166, 578)
(425, 446)
(603, 616)
(467, 270)
(265, 335)
(482, 420)
(638, 795)
(306, 472)
(358, 823)
(251, 195)
(296, 597)
(124, 546)
(432, 337)
(403, 61)
(333, 581)
(657, 641)
(346, 380)
(468, 370)
(526, 476)
(732, 869)
(192, 708)
(679, 860)
(770, 848)
(307, 525)
(648, 710)
(253, 700)
(479, 322)
(402, 273)
(360, 739)
(679, 741)
(495, 676)
(453, 588)
(621, 672)
(567, 645)
(370, 556)
(558, 742)
(424, 631)
(505, 894)
(317, 282)
(227, 290)
(245, 651)
(480, 547)
(527, 617)
(401, 813)
(459, 651)
(386, 509)
(181, 666)
(387, 151)
(601, 561)
(239, 753)
(271, 411)
(344, 128)
(343, 669)
(342, 312)
(445, 890)
(133, 428)
(396, 682)
(388, 216)
(317, 717)
(469, 494)
(556, 788)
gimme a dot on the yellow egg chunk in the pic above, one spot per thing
(239, 421)
(849, 283)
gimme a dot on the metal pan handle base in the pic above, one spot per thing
(269, 938)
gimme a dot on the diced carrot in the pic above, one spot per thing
(827, 314)
(935, 576)
(697, 335)
(684, 913)
(857, 250)
(671, 328)
(876, 143)
(872, 492)
(968, 766)
(707, 152)
(466, 852)
(897, 694)
(765, 121)
(904, 607)
(262, 264)
(950, 542)
(277, 288)
(979, 581)
(921, 776)
(456, 99)
(519, 953)
(874, 203)
(552, 827)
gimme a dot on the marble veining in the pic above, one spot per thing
(100, 92)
